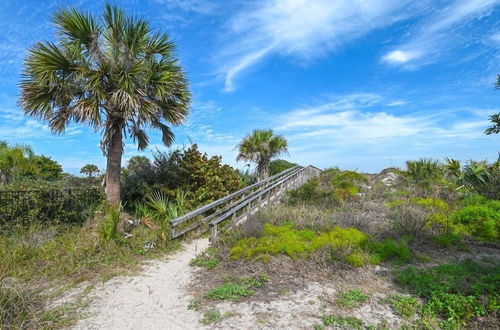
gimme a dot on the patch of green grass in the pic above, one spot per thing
(213, 315)
(194, 305)
(456, 292)
(405, 306)
(236, 288)
(352, 298)
(229, 291)
(207, 259)
(346, 322)
(391, 249)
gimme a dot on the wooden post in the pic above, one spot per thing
(213, 237)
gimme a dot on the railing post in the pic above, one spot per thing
(213, 236)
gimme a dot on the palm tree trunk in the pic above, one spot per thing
(113, 168)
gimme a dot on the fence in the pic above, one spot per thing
(238, 205)
(65, 205)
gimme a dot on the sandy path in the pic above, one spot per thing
(154, 299)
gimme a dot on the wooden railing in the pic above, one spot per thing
(238, 205)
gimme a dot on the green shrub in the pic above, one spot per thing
(424, 171)
(389, 249)
(343, 322)
(279, 165)
(229, 291)
(108, 227)
(46, 203)
(482, 221)
(295, 243)
(405, 306)
(352, 298)
(455, 292)
(207, 259)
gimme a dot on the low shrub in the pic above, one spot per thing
(229, 291)
(352, 298)
(238, 288)
(391, 249)
(482, 221)
(348, 244)
(456, 292)
(405, 306)
(343, 322)
(207, 259)
(108, 226)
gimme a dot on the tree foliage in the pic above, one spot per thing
(279, 165)
(20, 162)
(260, 148)
(203, 178)
(90, 170)
(115, 74)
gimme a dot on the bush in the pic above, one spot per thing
(203, 178)
(482, 221)
(48, 205)
(455, 292)
(332, 188)
(279, 165)
(352, 298)
(349, 244)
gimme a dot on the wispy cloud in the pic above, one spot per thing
(438, 32)
(342, 131)
(301, 28)
(199, 6)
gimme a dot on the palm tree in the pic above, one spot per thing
(114, 74)
(261, 147)
(495, 119)
(90, 170)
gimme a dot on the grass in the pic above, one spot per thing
(213, 315)
(405, 306)
(344, 322)
(352, 298)
(22, 308)
(455, 292)
(236, 289)
(59, 255)
(207, 259)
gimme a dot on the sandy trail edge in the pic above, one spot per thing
(154, 299)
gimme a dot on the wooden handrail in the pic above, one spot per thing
(230, 205)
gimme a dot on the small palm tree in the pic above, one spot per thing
(495, 119)
(114, 74)
(261, 147)
(90, 170)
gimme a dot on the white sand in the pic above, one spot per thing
(155, 299)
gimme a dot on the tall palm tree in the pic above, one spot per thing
(114, 74)
(261, 147)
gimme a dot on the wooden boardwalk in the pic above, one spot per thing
(236, 207)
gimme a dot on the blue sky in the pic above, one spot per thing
(352, 83)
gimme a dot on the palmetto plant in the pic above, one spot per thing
(260, 148)
(162, 210)
(114, 74)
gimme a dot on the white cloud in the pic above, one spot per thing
(305, 29)
(495, 37)
(199, 6)
(370, 135)
(438, 33)
(397, 103)
(400, 56)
